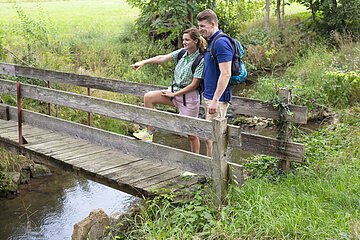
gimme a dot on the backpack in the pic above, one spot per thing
(195, 63)
(238, 70)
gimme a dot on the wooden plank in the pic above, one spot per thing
(125, 169)
(236, 174)
(157, 179)
(240, 105)
(7, 124)
(175, 184)
(107, 164)
(63, 146)
(254, 107)
(273, 147)
(113, 85)
(46, 138)
(9, 129)
(150, 172)
(158, 153)
(66, 156)
(141, 115)
(4, 112)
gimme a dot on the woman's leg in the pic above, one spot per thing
(154, 97)
(194, 143)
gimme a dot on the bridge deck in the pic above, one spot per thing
(127, 173)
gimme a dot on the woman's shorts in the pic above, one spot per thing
(192, 103)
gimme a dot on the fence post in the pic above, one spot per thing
(89, 114)
(18, 91)
(285, 96)
(49, 105)
(219, 166)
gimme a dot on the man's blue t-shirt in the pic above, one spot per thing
(223, 52)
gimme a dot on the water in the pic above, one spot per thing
(47, 208)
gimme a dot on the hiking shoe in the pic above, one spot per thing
(144, 135)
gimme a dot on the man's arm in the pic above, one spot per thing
(225, 74)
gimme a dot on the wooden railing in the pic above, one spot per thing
(223, 134)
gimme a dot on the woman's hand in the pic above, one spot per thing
(167, 94)
(136, 66)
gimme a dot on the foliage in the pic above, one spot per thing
(318, 201)
(320, 80)
(234, 13)
(167, 19)
(335, 15)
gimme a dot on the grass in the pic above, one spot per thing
(318, 201)
(73, 17)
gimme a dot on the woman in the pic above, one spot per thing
(184, 92)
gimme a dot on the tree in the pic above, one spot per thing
(267, 16)
(166, 20)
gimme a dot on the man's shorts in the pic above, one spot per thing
(192, 104)
(220, 112)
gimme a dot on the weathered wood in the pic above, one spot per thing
(141, 115)
(120, 86)
(272, 147)
(162, 154)
(83, 151)
(156, 179)
(4, 112)
(284, 95)
(220, 159)
(236, 174)
(240, 105)
(253, 107)
(156, 170)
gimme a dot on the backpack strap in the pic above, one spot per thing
(196, 62)
(232, 42)
(181, 54)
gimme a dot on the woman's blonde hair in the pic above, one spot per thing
(194, 33)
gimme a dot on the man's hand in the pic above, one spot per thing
(213, 106)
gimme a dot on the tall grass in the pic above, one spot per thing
(319, 201)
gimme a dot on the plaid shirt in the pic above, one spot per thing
(183, 75)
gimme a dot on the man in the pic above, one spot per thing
(217, 70)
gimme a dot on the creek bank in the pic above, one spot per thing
(99, 225)
(11, 180)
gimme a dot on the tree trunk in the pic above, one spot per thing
(278, 13)
(267, 16)
(283, 15)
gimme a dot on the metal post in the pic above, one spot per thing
(89, 114)
(49, 105)
(18, 90)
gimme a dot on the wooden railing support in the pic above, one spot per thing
(285, 96)
(220, 158)
(19, 112)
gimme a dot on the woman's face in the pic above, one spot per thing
(188, 42)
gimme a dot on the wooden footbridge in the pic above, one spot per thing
(122, 162)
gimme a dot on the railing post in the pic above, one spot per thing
(49, 105)
(285, 96)
(18, 91)
(89, 114)
(219, 165)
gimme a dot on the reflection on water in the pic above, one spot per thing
(49, 207)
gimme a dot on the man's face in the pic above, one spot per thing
(206, 28)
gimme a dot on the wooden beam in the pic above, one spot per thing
(254, 107)
(141, 115)
(172, 157)
(240, 105)
(120, 86)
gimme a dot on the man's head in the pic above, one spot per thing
(207, 22)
